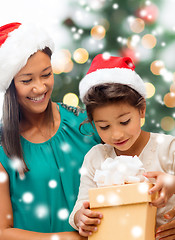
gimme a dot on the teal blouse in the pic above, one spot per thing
(43, 200)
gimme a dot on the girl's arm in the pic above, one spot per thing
(82, 218)
(6, 219)
(87, 220)
(165, 186)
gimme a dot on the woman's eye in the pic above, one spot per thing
(26, 81)
(126, 122)
(104, 128)
(46, 75)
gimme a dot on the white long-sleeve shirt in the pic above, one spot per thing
(157, 155)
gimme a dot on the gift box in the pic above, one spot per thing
(127, 214)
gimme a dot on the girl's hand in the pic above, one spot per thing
(165, 186)
(167, 231)
(87, 220)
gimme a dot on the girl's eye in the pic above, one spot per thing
(126, 122)
(104, 128)
(46, 75)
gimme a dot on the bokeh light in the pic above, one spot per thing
(167, 123)
(71, 99)
(142, 121)
(172, 88)
(150, 89)
(105, 23)
(134, 55)
(149, 41)
(81, 55)
(137, 25)
(98, 32)
(169, 99)
(174, 76)
(62, 62)
(156, 67)
(148, 13)
(133, 41)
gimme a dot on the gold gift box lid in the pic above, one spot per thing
(120, 195)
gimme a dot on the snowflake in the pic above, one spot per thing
(65, 147)
(83, 171)
(16, 164)
(41, 211)
(54, 237)
(61, 169)
(136, 231)
(115, 6)
(143, 187)
(3, 177)
(160, 139)
(113, 199)
(100, 198)
(63, 214)
(76, 36)
(52, 184)
(80, 31)
(73, 29)
(27, 197)
(106, 55)
(9, 216)
(169, 180)
(86, 139)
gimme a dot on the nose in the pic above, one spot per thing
(39, 86)
(117, 134)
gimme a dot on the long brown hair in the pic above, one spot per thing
(104, 94)
(11, 118)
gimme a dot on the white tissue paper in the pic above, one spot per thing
(122, 169)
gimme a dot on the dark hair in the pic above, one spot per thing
(11, 118)
(104, 94)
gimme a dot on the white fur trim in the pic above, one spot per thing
(112, 75)
(18, 47)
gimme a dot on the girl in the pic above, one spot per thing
(114, 96)
(41, 147)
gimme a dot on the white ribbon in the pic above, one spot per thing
(120, 170)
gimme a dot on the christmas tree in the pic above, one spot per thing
(122, 28)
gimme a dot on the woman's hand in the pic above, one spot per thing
(87, 220)
(167, 231)
(165, 186)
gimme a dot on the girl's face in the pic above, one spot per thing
(118, 125)
(34, 83)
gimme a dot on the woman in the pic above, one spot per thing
(42, 148)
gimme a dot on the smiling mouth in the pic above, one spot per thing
(37, 99)
(121, 143)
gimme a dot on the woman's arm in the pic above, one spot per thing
(6, 219)
(167, 231)
(18, 234)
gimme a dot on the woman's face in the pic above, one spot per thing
(119, 125)
(34, 83)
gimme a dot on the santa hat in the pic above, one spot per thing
(112, 70)
(17, 43)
